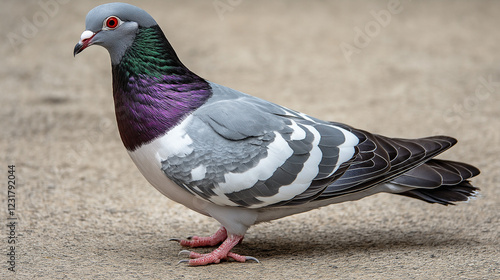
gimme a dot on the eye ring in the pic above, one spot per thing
(111, 23)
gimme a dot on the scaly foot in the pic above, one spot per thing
(221, 253)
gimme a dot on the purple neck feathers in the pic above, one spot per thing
(153, 93)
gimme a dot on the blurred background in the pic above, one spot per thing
(399, 68)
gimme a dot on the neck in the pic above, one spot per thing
(153, 90)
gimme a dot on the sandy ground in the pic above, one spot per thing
(85, 212)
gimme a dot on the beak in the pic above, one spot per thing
(85, 41)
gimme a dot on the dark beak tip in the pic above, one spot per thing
(78, 49)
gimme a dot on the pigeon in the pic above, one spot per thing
(243, 160)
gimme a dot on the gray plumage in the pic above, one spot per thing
(232, 132)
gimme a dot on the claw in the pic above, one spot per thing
(184, 252)
(179, 240)
(248, 258)
(182, 261)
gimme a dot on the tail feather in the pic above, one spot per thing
(452, 185)
(445, 195)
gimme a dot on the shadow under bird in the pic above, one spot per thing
(242, 160)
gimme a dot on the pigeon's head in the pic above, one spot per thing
(114, 27)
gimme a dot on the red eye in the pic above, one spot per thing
(112, 22)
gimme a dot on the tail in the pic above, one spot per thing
(405, 167)
(440, 181)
